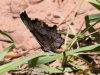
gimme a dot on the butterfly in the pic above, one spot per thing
(47, 36)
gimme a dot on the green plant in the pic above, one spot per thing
(38, 61)
(3, 53)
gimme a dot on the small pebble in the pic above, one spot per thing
(23, 48)
(15, 16)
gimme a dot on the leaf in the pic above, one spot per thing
(48, 69)
(3, 53)
(7, 36)
(92, 18)
(12, 65)
(90, 21)
(32, 63)
(48, 59)
(95, 3)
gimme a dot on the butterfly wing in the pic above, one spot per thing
(46, 36)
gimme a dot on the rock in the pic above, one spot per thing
(23, 48)
(16, 16)
(35, 1)
(37, 72)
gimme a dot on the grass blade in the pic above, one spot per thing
(12, 65)
(7, 36)
(48, 69)
(3, 53)
(95, 3)
(48, 59)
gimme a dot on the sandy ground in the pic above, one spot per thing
(50, 11)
